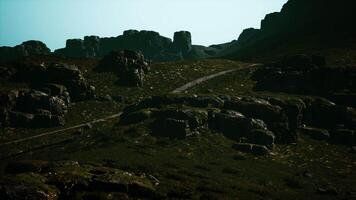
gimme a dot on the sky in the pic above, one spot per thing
(55, 21)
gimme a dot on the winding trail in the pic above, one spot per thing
(176, 91)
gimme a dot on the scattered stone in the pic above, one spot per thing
(258, 150)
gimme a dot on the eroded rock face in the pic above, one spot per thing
(27, 48)
(69, 179)
(152, 45)
(130, 66)
(182, 41)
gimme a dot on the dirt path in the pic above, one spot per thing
(176, 91)
(200, 80)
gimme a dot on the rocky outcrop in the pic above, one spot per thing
(27, 48)
(248, 35)
(151, 44)
(182, 41)
(50, 77)
(255, 122)
(33, 109)
(130, 66)
(52, 87)
(307, 75)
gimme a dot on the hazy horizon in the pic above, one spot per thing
(53, 22)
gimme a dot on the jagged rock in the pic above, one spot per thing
(130, 66)
(316, 133)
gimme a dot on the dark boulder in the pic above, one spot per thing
(258, 150)
(274, 116)
(235, 126)
(172, 128)
(325, 114)
(130, 66)
(51, 77)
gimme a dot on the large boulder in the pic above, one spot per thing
(45, 75)
(130, 66)
(33, 109)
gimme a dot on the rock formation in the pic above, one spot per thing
(130, 66)
(152, 45)
(27, 48)
(52, 88)
(324, 20)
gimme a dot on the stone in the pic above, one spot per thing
(234, 124)
(258, 150)
(325, 114)
(261, 136)
(273, 115)
(316, 133)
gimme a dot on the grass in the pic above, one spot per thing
(204, 166)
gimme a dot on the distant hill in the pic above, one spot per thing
(301, 25)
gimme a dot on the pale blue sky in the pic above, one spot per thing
(54, 21)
